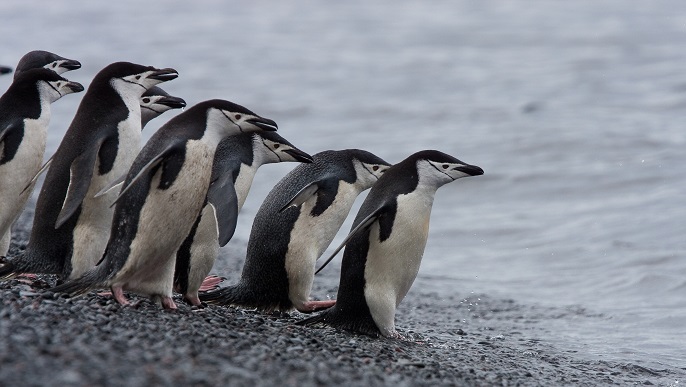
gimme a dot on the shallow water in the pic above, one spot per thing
(573, 110)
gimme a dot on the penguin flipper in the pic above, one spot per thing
(222, 196)
(80, 174)
(325, 184)
(114, 184)
(40, 172)
(302, 196)
(10, 146)
(154, 162)
(363, 225)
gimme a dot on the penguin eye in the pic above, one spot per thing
(445, 166)
(276, 146)
(146, 100)
(238, 116)
(138, 77)
(54, 64)
(375, 168)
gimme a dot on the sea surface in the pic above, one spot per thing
(575, 110)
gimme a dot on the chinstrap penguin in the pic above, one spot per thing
(295, 224)
(71, 226)
(235, 165)
(386, 243)
(156, 101)
(37, 59)
(24, 118)
(161, 198)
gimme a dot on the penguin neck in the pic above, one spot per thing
(244, 182)
(131, 98)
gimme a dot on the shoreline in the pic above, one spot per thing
(91, 340)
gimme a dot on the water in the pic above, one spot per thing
(574, 110)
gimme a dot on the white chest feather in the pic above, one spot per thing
(165, 220)
(392, 265)
(243, 183)
(311, 236)
(17, 173)
(93, 227)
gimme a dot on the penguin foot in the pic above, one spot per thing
(168, 303)
(211, 282)
(118, 294)
(313, 306)
(192, 299)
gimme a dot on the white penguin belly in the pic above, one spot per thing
(311, 236)
(392, 265)
(17, 173)
(92, 230)
(204, 249)
(165, 220)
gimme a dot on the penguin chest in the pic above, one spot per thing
(392, 265)
(93, 227)
(18, 172)
(243, 183)
(166, 217)
(311, 235)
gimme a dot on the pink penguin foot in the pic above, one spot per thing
(313, 306)
(193, 299)
(118, 294)
(168, 303)
(211, 282)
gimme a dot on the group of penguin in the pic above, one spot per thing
(151, 221)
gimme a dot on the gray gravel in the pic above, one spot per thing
(451, 339)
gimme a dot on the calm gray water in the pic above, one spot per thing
(575, 111)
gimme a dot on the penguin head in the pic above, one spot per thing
(37, 59)
(50, 85)
(436, 168)
(229, 119)
(156, 101)
(275, 149)
(130, 78)
(368, 167)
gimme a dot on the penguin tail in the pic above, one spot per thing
(242, 295)
(224, 296)
(360, 324)
(317, 319)
(28, 262)
(78, 286)
(8, 270)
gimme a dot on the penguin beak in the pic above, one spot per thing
(75, 87)
(263, 123)
(164, 75)
(71, 64)
(299, 155)
(5, 70)
(172, 102)
(471, 170)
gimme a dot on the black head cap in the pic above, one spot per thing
(37, 59)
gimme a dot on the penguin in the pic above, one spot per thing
(37, 59)
(295, 224)
(162, 196)
(24, 118)
(235, 164)
(156, 101)
(5, 70)
(71, 226)
(153, 102)
(385, 245)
